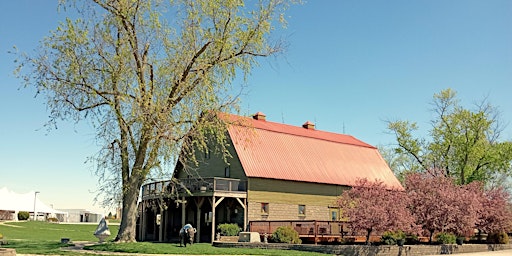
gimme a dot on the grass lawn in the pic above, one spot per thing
(197, 249)
(44, 238)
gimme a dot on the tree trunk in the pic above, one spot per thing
(369, 231)
(127, 228)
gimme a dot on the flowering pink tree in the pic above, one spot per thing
(440, 205)
(372, 206)
(495, 215)
(466, 205)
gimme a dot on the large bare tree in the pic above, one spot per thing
(144, 73)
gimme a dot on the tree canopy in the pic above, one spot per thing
(144, 73)
(429, 204)
(372, 206)
(440, 205)
(463, 144)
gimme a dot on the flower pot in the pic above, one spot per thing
(459, 240)
(400, 242)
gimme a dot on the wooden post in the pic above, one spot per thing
(213, 218)
(166, 227)
(161, 226)
(142, 231)
(143, 223)
(245, 212)
(214, 205)
(183, 206)
(316, 231)
(199, 204)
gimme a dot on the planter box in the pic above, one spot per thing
(250, 237)
(231, 239)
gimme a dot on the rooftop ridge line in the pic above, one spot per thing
(254, 124)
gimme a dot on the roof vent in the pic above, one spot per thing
(309, 125)
(259, 116)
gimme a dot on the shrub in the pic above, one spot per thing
(498, 238)
(445, 238)
(229, 229)
(23, 215)
(391, 237)
(412, 239)
(52, 219)
(286, 234)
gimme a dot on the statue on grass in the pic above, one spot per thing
(102, 232)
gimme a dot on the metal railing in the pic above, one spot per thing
(305, 228)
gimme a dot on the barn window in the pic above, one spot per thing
(335, 212)
(227, 172)
(264, 208)
(302, 209)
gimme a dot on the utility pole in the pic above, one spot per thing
(35, 198)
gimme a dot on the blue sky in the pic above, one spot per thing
(349, 66)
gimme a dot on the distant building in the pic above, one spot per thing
(11, 203)
(277, 172)
(81, 215)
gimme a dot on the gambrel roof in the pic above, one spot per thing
(279, 151)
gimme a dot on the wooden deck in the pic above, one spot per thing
(313, 231)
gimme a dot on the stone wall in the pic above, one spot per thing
(383, 250)
(279, 211)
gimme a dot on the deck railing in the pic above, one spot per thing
(305, 228)
(315, 230)
(194, 186)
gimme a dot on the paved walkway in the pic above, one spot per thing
(489, 253)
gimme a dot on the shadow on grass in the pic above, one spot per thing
(36, 247)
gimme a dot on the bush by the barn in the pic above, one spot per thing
(445, 238)
(229, 229)
(392, 237)
(498, 238)
(286, 234)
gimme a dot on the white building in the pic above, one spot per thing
(82, 215)
(11, 203)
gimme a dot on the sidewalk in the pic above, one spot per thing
(488, 253)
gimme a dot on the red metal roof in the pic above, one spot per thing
(279, 151)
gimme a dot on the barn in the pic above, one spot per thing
(277, 172)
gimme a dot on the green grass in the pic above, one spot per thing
(44, 238)
(45, 231)
(38, 247)
(197, 249)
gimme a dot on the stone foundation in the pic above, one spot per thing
(383, 250)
